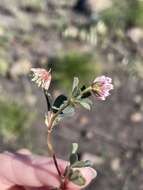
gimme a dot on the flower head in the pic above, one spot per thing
(41, 77)
(101, 87)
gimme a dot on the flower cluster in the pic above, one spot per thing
(41, 77)
(101, 87)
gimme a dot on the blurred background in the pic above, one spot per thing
(83, 38)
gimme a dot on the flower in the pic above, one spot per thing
(101, 87)
(41, 77)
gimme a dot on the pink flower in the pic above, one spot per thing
(101, 87)
(41, 77)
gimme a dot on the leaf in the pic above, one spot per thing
(58, 102)
(86, 103)
(82, 164)
(88, 163)
(75, 88)
(87, 100)
(76, 177)
(68, 111)
(75, 83)
(74, 148)
(73, 158)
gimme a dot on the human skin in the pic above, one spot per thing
(25, 171)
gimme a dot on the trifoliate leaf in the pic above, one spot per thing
(58, 102)
(76, 177)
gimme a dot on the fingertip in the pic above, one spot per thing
(88, 174)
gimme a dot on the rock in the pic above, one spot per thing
(101, 28)
(97, 160)
(138, 99)
(99, 5)
(136, 117)
(115, 164)
(135, 34)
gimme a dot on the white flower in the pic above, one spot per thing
(41, 77)
(101, 87)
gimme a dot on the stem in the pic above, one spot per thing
(47, 100)
(50, 147)
(50, 127)
(52, 153)
(56, 164)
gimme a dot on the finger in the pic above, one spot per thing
(30, 171)
(44, 166)
(16, 169)
(88, 173)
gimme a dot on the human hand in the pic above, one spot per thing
(22, 171)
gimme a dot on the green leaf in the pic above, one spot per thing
(74, 148)
(76, 177)
(88, 163)
(73, 158)
(58, 102)
(87, 100)
(86, 103)
(76, 92)
(68, 111)
(82, 164)
(75, 88)
(75, 83)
